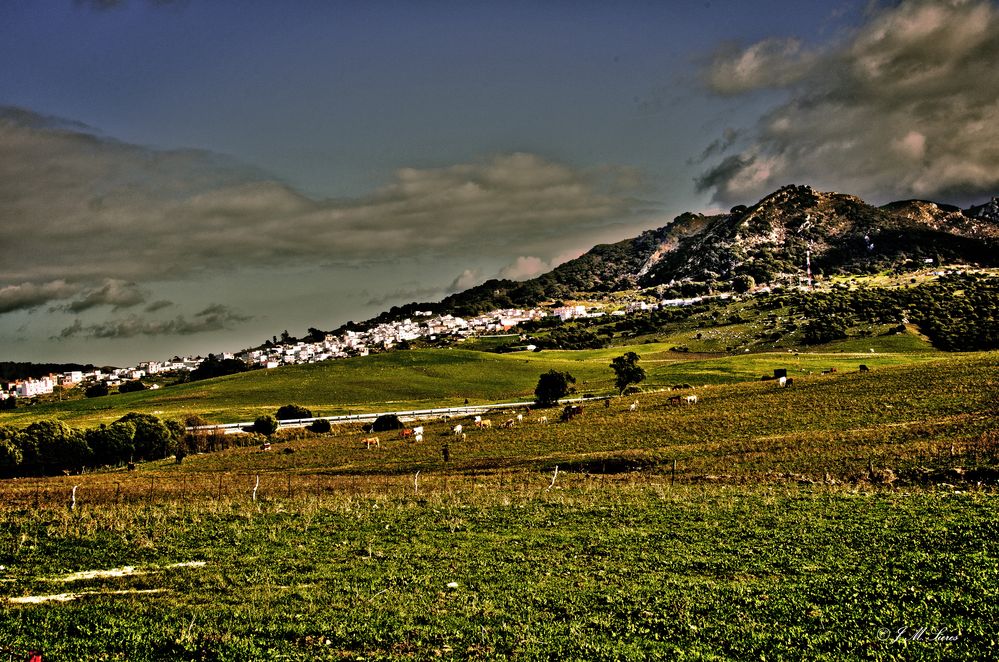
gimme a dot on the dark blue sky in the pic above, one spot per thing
(274, 157)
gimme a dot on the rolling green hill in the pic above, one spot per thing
(428, 378)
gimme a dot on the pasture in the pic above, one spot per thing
(590, 569)
(850, 516)
(426, 378)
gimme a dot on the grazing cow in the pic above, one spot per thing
(370, 441)
(418, 438)
(406, 432)
(478, 419)
(782, 382)
(633, 406)
(691, 399)
(543, 420)
(483, 423)
(864, 368)
(675, 400)
(266, 446)
(508, 423)
(570, 412)
(520, 418)
(789, 382)
(456, 429)
(418, 429)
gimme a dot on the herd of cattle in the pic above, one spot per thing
(568, 413)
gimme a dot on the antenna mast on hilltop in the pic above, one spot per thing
(808, 264)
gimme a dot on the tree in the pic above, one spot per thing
(265, 425)
(132, 387)
(744, 283)
(290, 412)
(552, 385)
(48, 446)
(112, 444)
(216, 366)
(627, 371)
(153, 439)
(10, 455)
(97, 390)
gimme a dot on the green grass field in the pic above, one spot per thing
(444, 377)
(851, 516)
(583, 571)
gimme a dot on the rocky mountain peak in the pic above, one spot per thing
(989, 211)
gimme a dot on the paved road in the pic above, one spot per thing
(232, 428)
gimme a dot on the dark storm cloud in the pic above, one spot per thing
(719, 146)
(217, 317)
(905, 106)
(25, 296)
(116, 293)
(158, 305)
(84, 210)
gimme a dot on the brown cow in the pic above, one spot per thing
(370, 441)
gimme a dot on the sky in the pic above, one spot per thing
(193, 176)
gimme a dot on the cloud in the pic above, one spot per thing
(769, 63)
(907, 105)
(25, 296)
(87, 211)
(525, 267)
(405, 295)
(116, 293)
(158, 305)
(466, 279)
(216, 317)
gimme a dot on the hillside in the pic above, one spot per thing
(768, 241)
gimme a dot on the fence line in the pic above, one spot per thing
(90, 490)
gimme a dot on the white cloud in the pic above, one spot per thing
(107, 219)
(466, 279)
(908, 104)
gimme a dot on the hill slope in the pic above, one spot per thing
(768, 241)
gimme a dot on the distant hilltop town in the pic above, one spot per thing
(423, 325)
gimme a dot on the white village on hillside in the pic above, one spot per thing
(350, 343)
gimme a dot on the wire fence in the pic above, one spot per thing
(145, 487)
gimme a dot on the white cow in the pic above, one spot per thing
(456, 429)
(633, 406)
(418, 437)
(520, 418)
(691, 399)
(782, 381)
(418, 430)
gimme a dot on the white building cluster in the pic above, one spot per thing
(424, 324)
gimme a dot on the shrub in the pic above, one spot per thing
(321, 426)
(266, 425)
(292, 412)
(386, 422)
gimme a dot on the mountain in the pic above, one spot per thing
(770, 241)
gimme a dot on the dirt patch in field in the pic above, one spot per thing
(67, 597)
